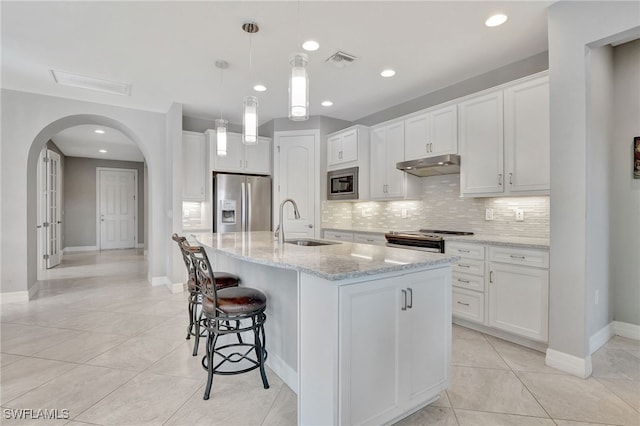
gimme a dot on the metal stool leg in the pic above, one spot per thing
(260, 350)
(190, 309)
(211, 344)
(197, 319)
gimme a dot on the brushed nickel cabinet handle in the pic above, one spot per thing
(404, 293)
(463, 304)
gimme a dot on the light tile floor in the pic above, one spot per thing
(101, 343)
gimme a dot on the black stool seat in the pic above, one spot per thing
(235, 301)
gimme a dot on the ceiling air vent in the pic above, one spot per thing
(92, 83)
(341, 59)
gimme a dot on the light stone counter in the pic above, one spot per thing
(522, 242)
(333, 262)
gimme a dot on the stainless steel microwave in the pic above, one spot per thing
(342, 184)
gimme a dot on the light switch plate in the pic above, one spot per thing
(520, 215)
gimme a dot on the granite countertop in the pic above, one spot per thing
(499, 240)
(331, 262)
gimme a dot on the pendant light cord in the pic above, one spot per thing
(221, 87)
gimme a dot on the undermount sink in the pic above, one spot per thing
(307, 242)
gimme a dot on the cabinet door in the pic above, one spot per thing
(334, 146)
(526, 124)
(481, 145)
(396, 179)
(257, 158)
(378, 177)
(369, 338)
(349, 146)
(519, 300)
(443, 131)
(427, 327)
(416, 137)
(194, 157)
(234, 160)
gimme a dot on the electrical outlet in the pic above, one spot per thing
(488, 214)
(404, 213)
(520, 215)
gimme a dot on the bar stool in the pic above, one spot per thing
(222, 280)
(242, 306)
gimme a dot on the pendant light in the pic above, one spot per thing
(250, 104)
(298, 83)
(221, 124)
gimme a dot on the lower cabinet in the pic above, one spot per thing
(519, 300)
(409, 348)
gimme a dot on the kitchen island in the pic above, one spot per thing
(361, 333)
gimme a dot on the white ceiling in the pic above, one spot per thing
(167, 50)
(83, 141)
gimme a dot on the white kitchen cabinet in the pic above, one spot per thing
(194, 160)
(519, 295)
(504, 140)
(240, 158)
(369, 238)
(339, 235)
(432, 133)
(387, 149)
(342, 147)
(481, 145)
(526, 137)
(468, 280)
(411, 321)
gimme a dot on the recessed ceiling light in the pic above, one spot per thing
(496, 20)
(326, 103)
(388, 73)
(259, 88)
(310, 45)
(99, 131)
(103, 151)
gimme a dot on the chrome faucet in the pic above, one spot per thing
(279, 233)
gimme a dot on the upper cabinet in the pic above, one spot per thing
(348, 148)
(240, 158)
(387, 149)
(194, 166)
(431, 133)
(504, 140)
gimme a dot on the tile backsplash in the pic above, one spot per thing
(442, 207)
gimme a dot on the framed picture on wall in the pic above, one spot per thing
(636, 157)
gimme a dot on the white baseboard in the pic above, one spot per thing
(600, 338)
(140, 245)
(157, 281)
(286, 373)
(176, 287)
(14, 297)
(79, 248)
(624, 329)
(580, 367)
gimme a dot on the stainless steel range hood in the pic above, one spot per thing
(432, 166)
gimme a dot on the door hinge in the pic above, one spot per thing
(278, 149)
(45, 257)
(45, 159)
(278, 188)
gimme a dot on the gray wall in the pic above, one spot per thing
(523, 68)
(625, 191)
(80, 199)
(574, 27)
(599, 122)
(197, 124)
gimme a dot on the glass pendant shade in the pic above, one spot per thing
(299, 88)
(221, 137)
(250, 121)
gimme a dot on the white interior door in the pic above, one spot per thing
(49, 210)
(295, 177)
(117, 208)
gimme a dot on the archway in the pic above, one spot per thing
(46, 134)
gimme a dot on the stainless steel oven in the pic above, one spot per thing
(342, 184)
(423, 239)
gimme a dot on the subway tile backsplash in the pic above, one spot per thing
(442, 207)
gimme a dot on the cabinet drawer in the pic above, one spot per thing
(340, 236)
(469, 266)
(472, 251)
(518, 256)
(370, 239)
(471, 282)
(468, 305)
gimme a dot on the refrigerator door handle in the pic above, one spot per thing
(243, 207)
(248, 207)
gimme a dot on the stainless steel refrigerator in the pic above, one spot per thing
(241, 203)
